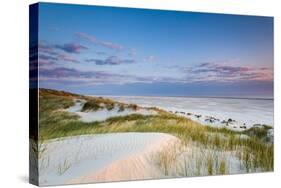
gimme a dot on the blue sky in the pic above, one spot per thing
(120, 51)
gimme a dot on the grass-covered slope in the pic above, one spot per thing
(55, 122)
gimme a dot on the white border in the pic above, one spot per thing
(14, 90)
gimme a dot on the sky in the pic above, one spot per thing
(120, 51)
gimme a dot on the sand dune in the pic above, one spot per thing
(137, 166)
(103, 114)
(106, 157)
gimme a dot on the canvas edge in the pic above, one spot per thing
(33, 93)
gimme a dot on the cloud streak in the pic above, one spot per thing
(49, 53)
(95, 41)
(111, 60)
(220, 72)
(75, 76)
(71, 47)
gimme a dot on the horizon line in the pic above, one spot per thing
(186, 96)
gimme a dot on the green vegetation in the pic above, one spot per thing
(210, 165)
(222, 167)
(259, 132)
(254, 151)
(133, 106)
(91, 105)
(121, 108)
(97, 103)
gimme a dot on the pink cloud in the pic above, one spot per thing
(228, 73)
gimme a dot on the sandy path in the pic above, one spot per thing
(103, 157)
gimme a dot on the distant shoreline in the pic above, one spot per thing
(206, 97)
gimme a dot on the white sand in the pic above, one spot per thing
(126, 156)
(103, 114)
(105, 157)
